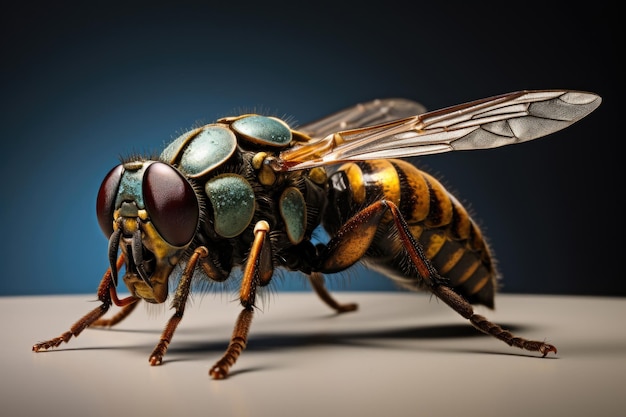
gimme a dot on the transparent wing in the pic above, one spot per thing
(363, 114)
(482, 124)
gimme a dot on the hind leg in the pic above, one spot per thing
(352, 240)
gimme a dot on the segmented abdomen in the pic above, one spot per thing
(450, 238)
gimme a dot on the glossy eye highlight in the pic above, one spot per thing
(171, 202)
(106, 199)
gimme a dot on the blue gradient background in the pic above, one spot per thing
(84, 85)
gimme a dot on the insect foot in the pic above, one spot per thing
(484, 325)
(157, 354)
(51, 343)
(546, 348)
(155, 360)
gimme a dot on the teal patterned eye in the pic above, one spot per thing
(262, 130)
(233, 203)
(199, 152)
(293, 213)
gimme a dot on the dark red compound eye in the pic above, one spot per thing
(171, 203)
(105, 201)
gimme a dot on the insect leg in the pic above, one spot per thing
(437, 286)
(121, 315)
(317, 282)
(354, 238)
(179, 303)
(258, 271)
(106, 295)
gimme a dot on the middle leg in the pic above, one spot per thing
(257, 272)
(317, 282)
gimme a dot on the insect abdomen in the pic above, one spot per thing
(450, 238)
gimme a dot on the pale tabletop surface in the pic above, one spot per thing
(400, 354)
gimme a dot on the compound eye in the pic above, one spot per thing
(105, 202)
(171, 203)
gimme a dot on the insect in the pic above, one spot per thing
(247, 193)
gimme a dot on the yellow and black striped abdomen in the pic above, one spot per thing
(450, 238)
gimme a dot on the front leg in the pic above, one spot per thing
(179, 304)
(121, 315)
(107, 295)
